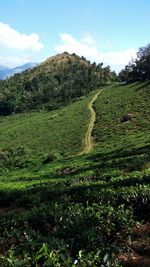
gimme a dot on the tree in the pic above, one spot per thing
(57, 82)
(113, 76)
(139, 69)
(106, 74)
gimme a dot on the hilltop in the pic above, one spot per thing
(58, 81)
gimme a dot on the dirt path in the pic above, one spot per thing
(88, 137)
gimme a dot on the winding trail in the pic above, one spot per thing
(88, 136)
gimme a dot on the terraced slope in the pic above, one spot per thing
(114, 102)
(34, 136)
(125, 144)
(90, 210)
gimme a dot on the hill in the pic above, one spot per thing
(56, 82)
(3, 70)
(79, 210)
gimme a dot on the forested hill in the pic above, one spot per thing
(57, 81)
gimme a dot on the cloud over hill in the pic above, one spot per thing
(87, 47)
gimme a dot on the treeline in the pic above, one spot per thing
(138, 69)
(56, 82)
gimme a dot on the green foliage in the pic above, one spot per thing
(29, 139)
(138, 69)
(123, 143)
(58, 81)
(76, 210)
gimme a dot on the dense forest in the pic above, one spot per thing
(58, 81)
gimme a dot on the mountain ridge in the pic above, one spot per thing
(6, 72)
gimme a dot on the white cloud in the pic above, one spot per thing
(119, 57)
(86, 47)
(13, 61)
(12, 39)
(71, 45)
(88, 40)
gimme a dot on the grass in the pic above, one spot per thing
(34, 136)
(109, 130)
(77, 210)
(127, 144)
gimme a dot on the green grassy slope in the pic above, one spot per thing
(39, 134)
(110, 133)
(81, 211)
(121, 145)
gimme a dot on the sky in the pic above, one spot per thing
(108, 31)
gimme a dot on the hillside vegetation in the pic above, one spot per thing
(56, 82)
(139, 68)
(129, 141)
(80, 210)
(30, 139)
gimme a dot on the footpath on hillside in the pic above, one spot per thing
(88, 136)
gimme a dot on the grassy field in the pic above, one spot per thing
(33, 137)
(77, 210)
(110, 133)
(125, 144)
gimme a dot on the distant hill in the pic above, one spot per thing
(7, 72)
(3, 72)
(56, 82)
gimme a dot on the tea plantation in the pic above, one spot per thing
(62, 209)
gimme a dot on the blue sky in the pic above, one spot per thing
(109, 31)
